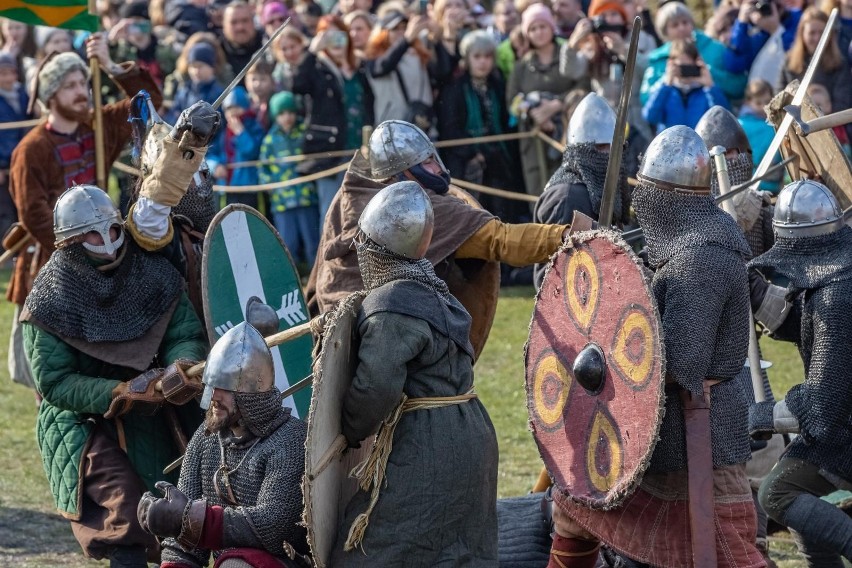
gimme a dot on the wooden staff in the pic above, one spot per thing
(98, 123)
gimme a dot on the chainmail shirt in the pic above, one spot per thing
(71, 296)
(265, 477)
(673, 223)
(701, 288)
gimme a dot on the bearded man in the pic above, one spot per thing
(239, 495)
(577, 186)
(59, 153)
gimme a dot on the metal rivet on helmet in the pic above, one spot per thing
(718, 127)
(806, 208)
(240, 361)
(83, 209)
(677, 160)
(593, 121)
(400, 219)
(396, 145)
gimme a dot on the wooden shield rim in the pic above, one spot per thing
(615, 239)
(353, 455)
(205, 259)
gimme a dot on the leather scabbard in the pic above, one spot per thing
(699, 458)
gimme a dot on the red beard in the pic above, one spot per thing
(69, 113)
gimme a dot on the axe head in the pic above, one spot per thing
(795, 111)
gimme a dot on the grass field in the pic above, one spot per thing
(32, 535)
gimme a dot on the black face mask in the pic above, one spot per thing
(440, 184)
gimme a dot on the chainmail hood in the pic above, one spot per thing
(261, 412)
(739, 171)
(73, 297)
(379, 266)
(581, 163)
(675, 222)
(809, 262)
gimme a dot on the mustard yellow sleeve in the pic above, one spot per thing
(518, 244)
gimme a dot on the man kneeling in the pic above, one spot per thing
(239, 493)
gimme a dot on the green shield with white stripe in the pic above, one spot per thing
(243, 257)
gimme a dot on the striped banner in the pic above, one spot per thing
(245, 257)
(68, 14)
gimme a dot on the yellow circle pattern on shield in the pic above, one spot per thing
(550, 369)
(603, 475)
(582, 288)
(633, 348)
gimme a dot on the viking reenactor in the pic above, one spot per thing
(433, 501)
(239, 495)
(170, 214)
(103, 320)
(754, 210)
(59, 153)
(807, 302)
(700, 285)
(718, 127)
(577, 186)
(400, 151)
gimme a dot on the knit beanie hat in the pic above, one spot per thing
(598, 7)
(7, 61)
(202, 52)
(537, 13)
(53, 71)
(283, 101)
(237, 98)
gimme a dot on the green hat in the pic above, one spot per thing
(281, 102)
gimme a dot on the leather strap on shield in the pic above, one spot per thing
(696, 415)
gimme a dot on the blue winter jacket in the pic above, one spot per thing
(669, 106)
(10, 138)
(744, 45)
(711, 51)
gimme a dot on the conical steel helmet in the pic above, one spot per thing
(677, 160)
(396, 145)
(83, 209)
(806, 208)
(593, 121)
(400, 219)
(718, 127)
(240, 361)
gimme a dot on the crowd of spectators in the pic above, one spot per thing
(456, 68)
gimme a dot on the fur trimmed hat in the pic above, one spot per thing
(54, 70)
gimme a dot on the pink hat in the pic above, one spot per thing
(537, 13)
(273, 9)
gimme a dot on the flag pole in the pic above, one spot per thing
(97, 125)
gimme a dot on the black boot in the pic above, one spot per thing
(822, 526)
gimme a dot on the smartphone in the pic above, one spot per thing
(690, 70)
(422, 7)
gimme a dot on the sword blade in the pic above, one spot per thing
(254, 59)
(613, 168)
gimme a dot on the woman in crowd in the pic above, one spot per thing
(473, 106)
(289, 51)
(674, 22)
(340, 102)
(454, 19)
(833, 70)
(360, 24)
(17, 40)
(398, 61)
(535, 93)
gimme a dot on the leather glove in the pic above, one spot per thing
(196, 126)
(761, 423)
(162, 517)
(179, 388)
(172, 172)
(141, 393)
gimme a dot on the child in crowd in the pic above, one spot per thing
(239, 143)
(260, 87)
(752, 117)
(13, 108)
(202, 84)
(686, 92)
(822, 100)
(295, 209)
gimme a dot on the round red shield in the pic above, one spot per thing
(595, 370)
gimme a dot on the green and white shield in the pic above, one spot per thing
(243, 257)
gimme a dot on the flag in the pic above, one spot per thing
(67, 14)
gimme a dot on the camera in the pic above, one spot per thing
(764, 7)
(690, 70)
(600, 25)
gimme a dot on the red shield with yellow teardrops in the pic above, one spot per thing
(595, 370)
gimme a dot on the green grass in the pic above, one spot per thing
(32, 535)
